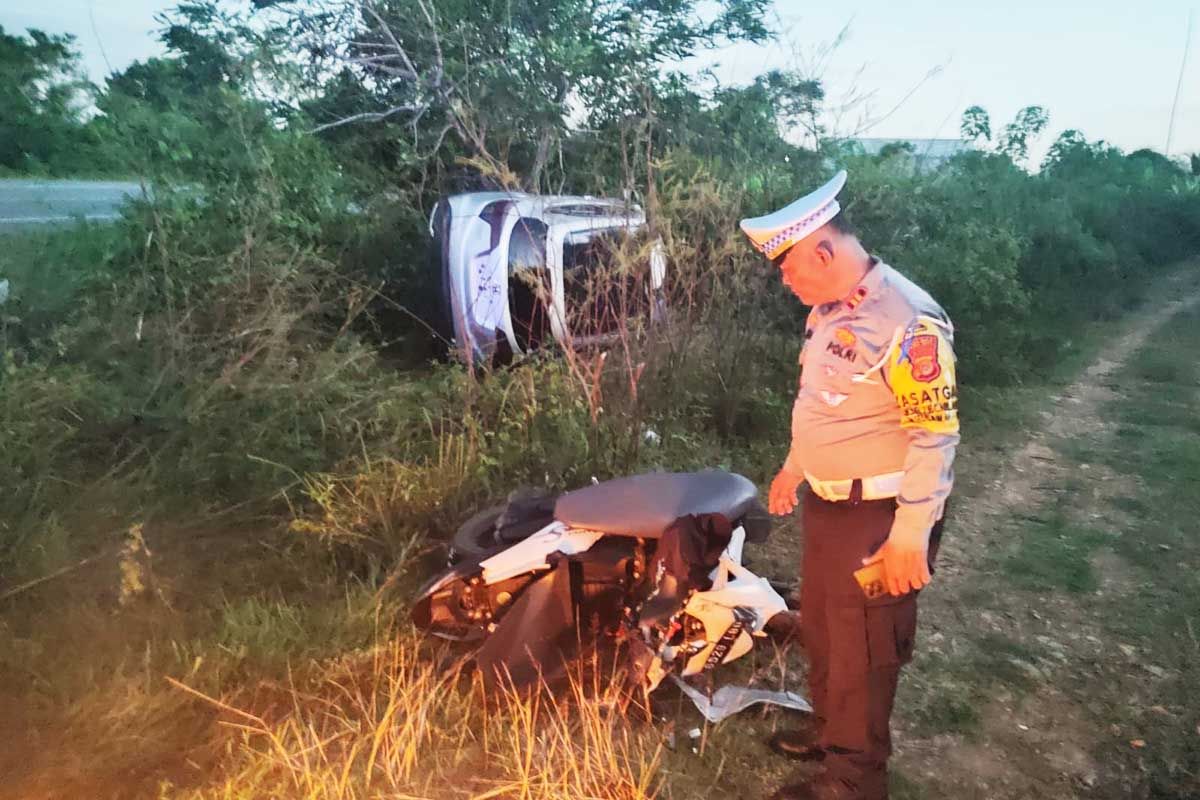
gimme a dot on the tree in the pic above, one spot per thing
(1069, 145)
(504, 82)
(1014, 141)
(1155, 164)
(897, 149)
(42, 94)
(1029, 123)
(976, 125)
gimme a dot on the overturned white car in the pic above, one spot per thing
(521, 270)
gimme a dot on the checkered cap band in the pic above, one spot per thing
(798, 230)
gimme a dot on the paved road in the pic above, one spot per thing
(35, 202)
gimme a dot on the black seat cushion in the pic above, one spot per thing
(645, 505)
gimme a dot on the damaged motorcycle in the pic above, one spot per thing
(653, 561)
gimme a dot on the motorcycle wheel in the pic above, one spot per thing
(476, 538)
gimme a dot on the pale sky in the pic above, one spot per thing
(1106, 67)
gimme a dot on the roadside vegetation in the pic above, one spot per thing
(230, 451)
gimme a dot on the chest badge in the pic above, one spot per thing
(842, 344)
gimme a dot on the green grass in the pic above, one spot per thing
(949, 701)
(1155, 607)
(1161, 617)
(1141, 532)
(1054, 555)
(946, 692)
(1135, 506)
(50, 274)
(375, 465)
(247, 590)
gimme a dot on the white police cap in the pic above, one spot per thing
(774, 233)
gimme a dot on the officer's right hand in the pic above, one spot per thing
(782, 498)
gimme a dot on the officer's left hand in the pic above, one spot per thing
(905, 560)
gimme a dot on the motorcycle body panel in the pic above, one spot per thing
(532, 553)
(718, 609)
(533, 640)
(530, 602)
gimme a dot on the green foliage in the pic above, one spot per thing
(235, 316)
(1023, 261)
(42, 97)
(1014, 140)
(232, 348)
(271, 635)
(976, 125)
(495, 84)
(51, 419)
(947, 236)
(1029, 122)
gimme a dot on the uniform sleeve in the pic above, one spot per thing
(921, 374)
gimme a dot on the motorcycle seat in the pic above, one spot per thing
(646, 505)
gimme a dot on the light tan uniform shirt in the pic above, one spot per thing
(877, 394)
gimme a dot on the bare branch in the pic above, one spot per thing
(440, 139)
(437, 41)
(421, 72)
(376, 62)
(387, 31)
(367, 116)
(370, 45)
(397, 72)
(933, 73)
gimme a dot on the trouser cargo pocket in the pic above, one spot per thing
(891, 633)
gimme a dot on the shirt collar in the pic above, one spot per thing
(870, 285)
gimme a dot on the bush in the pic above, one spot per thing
(233, 338)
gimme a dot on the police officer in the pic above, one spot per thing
(874, 428)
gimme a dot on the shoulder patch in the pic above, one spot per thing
(922, 377)
(923, 354)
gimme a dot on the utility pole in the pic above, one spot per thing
(1187, 45)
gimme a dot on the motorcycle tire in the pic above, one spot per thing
(476, 538)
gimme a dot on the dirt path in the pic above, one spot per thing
(977, 629)
(1073, 413)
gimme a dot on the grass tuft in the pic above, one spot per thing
(400, 721)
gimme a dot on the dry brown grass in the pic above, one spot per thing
(395, 722)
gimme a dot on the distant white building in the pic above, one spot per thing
(926, 153)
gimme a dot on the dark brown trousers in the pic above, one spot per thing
(855, 646)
